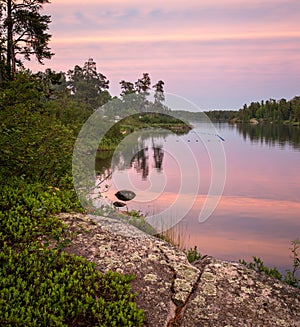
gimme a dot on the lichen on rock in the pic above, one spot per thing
(173, 292)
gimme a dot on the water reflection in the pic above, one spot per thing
(158, 157)
(259, 210)
(140, 163)
(133, 152)
(271, 134)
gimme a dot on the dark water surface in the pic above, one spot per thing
(259, 211)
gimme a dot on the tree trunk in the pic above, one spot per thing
(10, 52)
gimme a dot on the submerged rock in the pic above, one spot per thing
(119, 204)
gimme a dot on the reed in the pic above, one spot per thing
(177, 235)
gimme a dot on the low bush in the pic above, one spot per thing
(27, 211)
(289, 277)
(193, 254)
(42, 287)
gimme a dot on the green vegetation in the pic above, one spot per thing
(193, 254)
(280, 111)
(272, 110)
(40, 284)
(23, 33)
(176, 237)
(41, 115)
(290, 275)
(137, 219)
(40, 287)
(213, 115)
(139, 121)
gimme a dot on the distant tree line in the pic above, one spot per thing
(272, 110)
(221, 115)
(214, 115)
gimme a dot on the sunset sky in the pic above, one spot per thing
(219, 54)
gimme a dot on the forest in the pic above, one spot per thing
(272, 111)
(286, 111)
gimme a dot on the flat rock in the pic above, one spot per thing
(229, 294)
(173, 292)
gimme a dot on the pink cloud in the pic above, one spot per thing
(213, 47)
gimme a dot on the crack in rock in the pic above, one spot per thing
(175, 321)
(171, 291)
(184, 274)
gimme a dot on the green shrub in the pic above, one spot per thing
(27, 210)
(193, 254)
(258, 265)
(289, 277)
(39, 284)
(42, 287)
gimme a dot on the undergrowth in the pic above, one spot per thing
(290, 276)
(40, 285)
(43, 286)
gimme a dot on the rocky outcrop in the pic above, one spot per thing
(254, 121)
(173, 292)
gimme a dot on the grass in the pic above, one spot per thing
(175, 235)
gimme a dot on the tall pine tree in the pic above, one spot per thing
(23, 34)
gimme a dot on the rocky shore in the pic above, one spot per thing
(172, 291)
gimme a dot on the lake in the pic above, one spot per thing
(258, 212)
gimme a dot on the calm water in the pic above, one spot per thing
(259, 211)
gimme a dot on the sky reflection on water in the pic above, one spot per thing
(259, 212)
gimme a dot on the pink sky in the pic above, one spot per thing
(219, 54)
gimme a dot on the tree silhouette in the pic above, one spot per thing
(22, 34)
(86, 84)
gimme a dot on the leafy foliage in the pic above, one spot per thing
(214, 115)
(25, 29)
(46, 287)
(289, 277)
(258, 265)
(272, 110)
(193, 254)
(87, 85)
(142, 85)
(33, 146)
(37, 134)
(27, 209)
(40, 285)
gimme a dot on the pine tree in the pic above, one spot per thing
(22, 34)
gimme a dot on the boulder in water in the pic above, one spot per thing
(125, 195)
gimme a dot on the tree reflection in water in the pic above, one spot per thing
(140, 162)
(158, 154)
(136, 153)
(271, 134)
